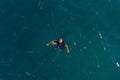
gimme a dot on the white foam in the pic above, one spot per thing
(89, 42)
(104, 48)
(85, 47)
(74, 43)
(98, 66)
(27, 73)
(100, 35)
(117, 64)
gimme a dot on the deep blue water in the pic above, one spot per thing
(91, 28)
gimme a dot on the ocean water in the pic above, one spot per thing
(91, 28)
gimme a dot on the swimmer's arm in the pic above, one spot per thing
(67, 48)
(51, 42)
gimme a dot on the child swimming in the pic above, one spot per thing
(60, 44)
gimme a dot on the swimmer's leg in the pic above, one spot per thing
(58, 50)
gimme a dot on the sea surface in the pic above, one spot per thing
(91, 28)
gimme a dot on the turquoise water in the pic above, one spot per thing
(91, 29)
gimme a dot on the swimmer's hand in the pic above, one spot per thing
(51, 42)
(68, 51)
(47, 44)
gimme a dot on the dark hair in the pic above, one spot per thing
(59, 39)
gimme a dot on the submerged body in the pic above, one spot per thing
(59, 44)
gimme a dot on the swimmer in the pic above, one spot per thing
(60, 44)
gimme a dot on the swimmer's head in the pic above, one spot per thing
(60, 40)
